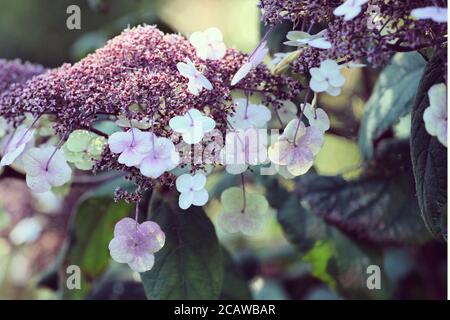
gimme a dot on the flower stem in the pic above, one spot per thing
(300, 116)
(243, 194)
(60, 143)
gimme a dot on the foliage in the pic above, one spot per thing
(429, 156)
(190, 265)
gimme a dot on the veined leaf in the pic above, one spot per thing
(379, 207)
(190, 265)
(429, 156)
(392, 98)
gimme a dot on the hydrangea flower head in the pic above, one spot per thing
(435, 116)
(297, 147)
(349, 9)
(135, 244)
(45, 167)
(192, 126)
(82, 147)
(247, 215)
(132, 146)
(14, 145)
(208, 44)
(249, 115)
(17, 72)
(138, 68)
(197, 81)
(327, 78)
(192, 189)
(301, 39)
(162, 157)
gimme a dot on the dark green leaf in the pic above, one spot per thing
(333, 257)
(392, 98)
(235, 286)
(190, 265)
(379, 207)
(429, 156)
(91, 231)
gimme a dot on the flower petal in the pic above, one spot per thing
(185, 200)
(184, 182)
(200, 197)
(38, 183)
(125, 227)
(198, 181)
(154, 236)
(152, 167)
(119, 250)
(119, 141)
(318, 86)
(241, 73)
(142, 263)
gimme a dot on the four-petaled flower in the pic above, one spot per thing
(192, 190)
(253, 61)
(301, 39)
(197, 81)
(209, 44)
(327, 78)
(247, 215)
(242, 149)
(317, 117)
(349, 9)
(82, 148)
(45, 167)
(132, 146)
(296, 147)
(161, 157)
(15, 145)
(435, 116)
(135, 244)
(192, 126)
(437, 14)
(249, 115)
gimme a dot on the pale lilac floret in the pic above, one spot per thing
(327, 78)
(197, 81)
(192, 189)
(14, 145)
(208, 44)
(437, 14)
(317, 117)
(135, 244)
(192, 126)
(254, 60)
(244, 148)
(349, 9)
(435, 116)
(301, 39)
(297, 147)
(132, 146)
(45, 167)
(249, 115)
(161, 157)
(246, 215)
